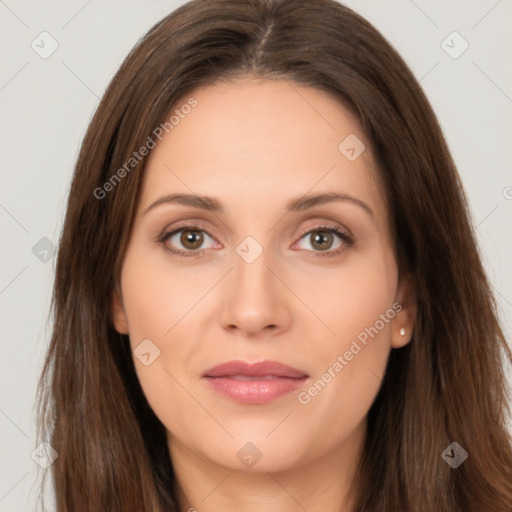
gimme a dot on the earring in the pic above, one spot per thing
(402, 332)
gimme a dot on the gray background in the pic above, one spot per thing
(46, 104)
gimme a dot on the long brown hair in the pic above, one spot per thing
(447, 385)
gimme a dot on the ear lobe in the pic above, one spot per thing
(402, 325)
(118, 314)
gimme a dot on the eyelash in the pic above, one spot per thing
(346, 239)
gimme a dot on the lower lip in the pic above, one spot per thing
(254, 391)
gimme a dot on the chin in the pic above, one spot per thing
(258, 453)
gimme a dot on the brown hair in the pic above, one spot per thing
(447, 385)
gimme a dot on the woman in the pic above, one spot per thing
(268, 294)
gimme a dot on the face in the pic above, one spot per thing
(269, 274)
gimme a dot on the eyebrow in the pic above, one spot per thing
(295, 205)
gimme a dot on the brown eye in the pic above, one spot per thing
(324, 241)
(191, 239)
(187, 241)
(321, 240)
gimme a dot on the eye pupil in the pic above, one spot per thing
(192, 237)
(319, 239)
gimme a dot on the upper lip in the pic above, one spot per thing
(258, 369)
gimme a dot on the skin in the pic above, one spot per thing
(254, 145)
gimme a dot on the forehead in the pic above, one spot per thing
(254, 140)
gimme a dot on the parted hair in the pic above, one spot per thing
(448, 384)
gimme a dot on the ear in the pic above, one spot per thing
(405, 305)
(118, 314)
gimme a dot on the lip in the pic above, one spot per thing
(254, 383)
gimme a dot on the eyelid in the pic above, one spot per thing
(318, 225)
(192, 224)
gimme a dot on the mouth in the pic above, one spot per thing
(255, 383)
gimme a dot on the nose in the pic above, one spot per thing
(256, 300)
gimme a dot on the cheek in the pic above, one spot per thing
(351, 297)
(156, 295)
(356, 304)
(161, 306)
